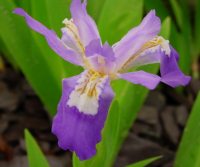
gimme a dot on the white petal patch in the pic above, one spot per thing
(153, 45)
(165, 45)
(85, 96)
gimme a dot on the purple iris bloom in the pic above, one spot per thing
(86, 98)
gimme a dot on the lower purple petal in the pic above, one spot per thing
(170, 72)
(143, 78)
(77, 131)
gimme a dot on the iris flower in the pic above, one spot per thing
(86, 98)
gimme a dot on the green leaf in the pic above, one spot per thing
(26, 5)
(35, 156)
(177, 11)
(117, 17)
(40, 72)
(186, 42)
(94, 8)
(158, 5)
(189, 150)
(6, 53)
(145, 162)
(44, 11)
(40, 12)
(197, 26)
(166, 28)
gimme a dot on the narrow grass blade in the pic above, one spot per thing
(35, 156)
(145, 162)
(158, 5)
(95, 7)
(166, 28)
(187, 43)
(177, 12)
(197, 26)
(189, 150)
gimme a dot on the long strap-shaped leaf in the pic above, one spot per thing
(197, 26)
(145, 162)
(189, 151)
(35, 155)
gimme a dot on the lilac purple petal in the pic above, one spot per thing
(69, 40)
(151, 56)
(95, 48)
(76, 131)
(170, 72)
(143, 78)
(148, 57)
(86, 26)
(137, 37)
(54, 42)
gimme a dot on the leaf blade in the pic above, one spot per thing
(145, 162)
(35, 155)
(189, 150)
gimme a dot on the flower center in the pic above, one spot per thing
(87, 91)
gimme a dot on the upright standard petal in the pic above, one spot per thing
(75, 125)
(143, 78)
(54, 42)
(95, 47)
(170, 72)
(101, 57)
(86, 26)
(136, 38)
